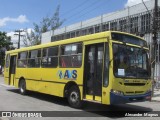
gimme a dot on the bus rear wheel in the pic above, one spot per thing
(74, 97)
(22, 87)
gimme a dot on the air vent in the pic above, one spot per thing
(139, 91)
(134, 84)
(134, 92)
(130, 92)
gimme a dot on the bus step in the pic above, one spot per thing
(92, 101)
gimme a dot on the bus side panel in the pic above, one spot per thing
(33, 77)
(20, 73)
(6, 69)
(51, 88)
(54, 80)
(106, 90)
(30, 85)
(6, 80)
(106, 95)
(6, 76)
(12, 79)
(48, 80)
(34, 73)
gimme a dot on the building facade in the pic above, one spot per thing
(136, 19)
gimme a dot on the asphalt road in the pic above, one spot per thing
(11, 100)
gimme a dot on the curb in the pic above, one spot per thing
(155, 100)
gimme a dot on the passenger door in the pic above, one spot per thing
(93, 71)
(12, 69)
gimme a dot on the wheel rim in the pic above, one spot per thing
(74, 97)
(22, 90)
(22, 87)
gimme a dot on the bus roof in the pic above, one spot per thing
(73, 40)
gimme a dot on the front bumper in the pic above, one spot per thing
(119, 99)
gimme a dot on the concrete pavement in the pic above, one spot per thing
(42, 102)
(156, 96)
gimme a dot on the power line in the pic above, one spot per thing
(149, 11)
(146, 8)
(95, 8)
(84, 9)
(94, 20)
(78, 15)
(132, 27)
(75, 8)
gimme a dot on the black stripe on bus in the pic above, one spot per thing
(47, 81)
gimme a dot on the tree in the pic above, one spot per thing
(30, 39)
(47, 24)
(5, 44)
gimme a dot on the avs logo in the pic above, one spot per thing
(68, 74)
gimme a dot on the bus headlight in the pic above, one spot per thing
(117, 92)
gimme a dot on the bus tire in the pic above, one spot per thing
(22, 87)
(74, 97)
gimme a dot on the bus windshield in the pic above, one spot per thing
(129, 39)
(130, 62)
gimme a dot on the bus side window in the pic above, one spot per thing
(34, 58)
(22, 60)
(71, 55)
(50, 57)
(65, 56)
(77, 56)
(106, 67)
(7, 61)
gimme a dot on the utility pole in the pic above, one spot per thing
(154, 42)
(19, 36)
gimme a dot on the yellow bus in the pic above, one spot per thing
(109, 68)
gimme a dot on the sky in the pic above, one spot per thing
(21, 14)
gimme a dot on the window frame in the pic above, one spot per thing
(22, 59)
(71, 54)
(38, 57)
(47, 57)
(7, 61)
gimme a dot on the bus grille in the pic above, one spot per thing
(130, 92)
(134, 92)
(134, 84)
(139, 91)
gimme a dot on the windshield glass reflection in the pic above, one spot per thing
(131, 62)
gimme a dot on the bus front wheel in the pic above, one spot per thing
(74, 98)
(22, 87)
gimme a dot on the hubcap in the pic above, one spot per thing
(22, 88)
(74, 97)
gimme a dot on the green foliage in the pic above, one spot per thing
(47, 24)
(5, 44)
(31, 39)
(5, 41)
(55, 21)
